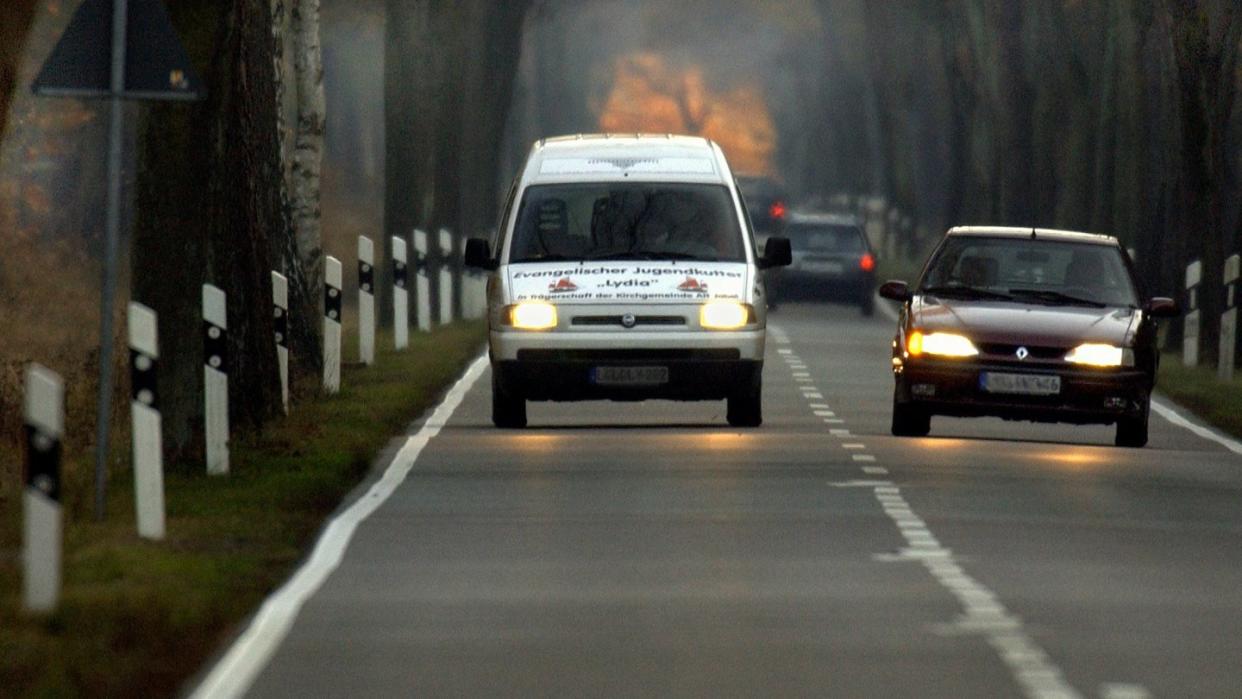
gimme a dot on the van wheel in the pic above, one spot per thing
(1132, 431)
(910, 421)
(508, 410)
(745, 407)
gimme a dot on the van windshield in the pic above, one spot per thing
(610, 220)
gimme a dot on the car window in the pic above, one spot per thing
(826, 238)
(1083, 270)
(627, 220)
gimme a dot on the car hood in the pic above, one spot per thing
(627, 280)
(1034, 324)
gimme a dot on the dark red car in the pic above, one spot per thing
(1026, 324)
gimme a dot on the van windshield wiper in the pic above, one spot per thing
(968, 292)
(1057, 298)
(650, 255)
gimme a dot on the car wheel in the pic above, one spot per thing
(910, 421)
(867, 306)
(745, 407)
(1132, 431)
(508, 410)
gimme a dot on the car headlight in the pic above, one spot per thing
(940, 345)
(532, 315)
(1099, 354)
(724, 315)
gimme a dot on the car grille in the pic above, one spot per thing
(628, 355)
(1011, 351)
(638, 320)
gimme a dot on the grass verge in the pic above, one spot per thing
(1198, 390)
(138, 618)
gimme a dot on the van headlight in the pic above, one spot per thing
(725, 315)
(531, 315)
(1101, 355)
(940, 345)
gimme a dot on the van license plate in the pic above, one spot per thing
(1020, 384)
(630, 375)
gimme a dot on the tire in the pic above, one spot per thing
(745, 407)
(508, 410)
(867, 306)
(910, 421)
(1132, 431)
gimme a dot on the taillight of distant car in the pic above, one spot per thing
(867, 263)
(777, 211)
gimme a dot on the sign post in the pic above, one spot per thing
(422, 273)
(216, 379)
(1229, 320)
(147, 424)
(366, 300)
(400, 294)
(280, 316)
(1190, 335)
(41, 548)
(446, 277)
(143, 60)
(332, 326)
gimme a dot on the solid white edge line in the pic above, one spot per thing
(237, 670)
(1169, 412)
(1165, 408)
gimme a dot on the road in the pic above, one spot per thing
(622, 549)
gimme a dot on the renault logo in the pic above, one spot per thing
(1023, 353)
(628, 320)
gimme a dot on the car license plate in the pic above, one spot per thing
(630, 375)
(1021, 384)
(831, 268)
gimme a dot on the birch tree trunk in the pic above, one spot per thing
(308, 137)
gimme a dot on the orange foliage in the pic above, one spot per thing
(650, 96)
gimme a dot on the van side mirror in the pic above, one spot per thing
(1161, 307)
(895, 291)
(776, 253)
(479, 254)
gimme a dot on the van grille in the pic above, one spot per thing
(639, 320)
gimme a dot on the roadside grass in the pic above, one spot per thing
(138, 618)
(1198, 390)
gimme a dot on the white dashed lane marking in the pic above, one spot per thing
(864, 458)
(839, 433)
(875, 470)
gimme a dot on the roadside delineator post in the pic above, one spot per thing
(280, 319)
(147, 424)
(400, 294)
(332, 326)
(1229, 320)
(1190, 336)
(446, 277)
(41, 536)
(216, 379)
(366, 300)
(422, 273)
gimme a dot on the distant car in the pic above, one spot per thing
(1026, 324)
(832, 259)
(766, 203)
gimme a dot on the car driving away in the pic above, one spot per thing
(832, 260)
(1026, 324)
(625, 269)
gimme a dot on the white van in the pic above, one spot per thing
(624, 268)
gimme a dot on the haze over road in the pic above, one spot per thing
(648, 548)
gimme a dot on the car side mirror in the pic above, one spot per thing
(1161, 307)
(776, 253)
(479, 254)
(895, 291)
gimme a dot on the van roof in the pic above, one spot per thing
(636, 157)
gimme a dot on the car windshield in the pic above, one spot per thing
(1031, 271)
(627, 221)
(826, 238)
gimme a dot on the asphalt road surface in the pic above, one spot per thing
(649, 549)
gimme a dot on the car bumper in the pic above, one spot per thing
(543, 375)
(850, 286)
(1086, 396)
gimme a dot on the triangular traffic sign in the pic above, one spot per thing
(156, 64)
